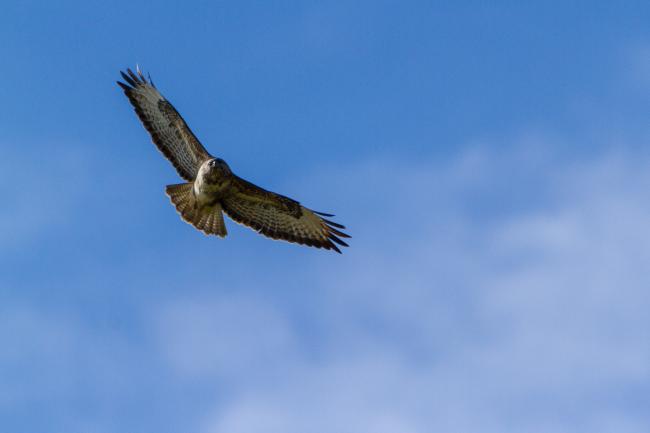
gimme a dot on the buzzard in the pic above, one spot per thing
(212, 188)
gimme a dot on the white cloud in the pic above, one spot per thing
(495, 292)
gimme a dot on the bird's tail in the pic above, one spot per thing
(208, 219)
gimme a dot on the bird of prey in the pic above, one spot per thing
(212, 188)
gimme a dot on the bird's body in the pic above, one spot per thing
(212, 188)
(213, 181)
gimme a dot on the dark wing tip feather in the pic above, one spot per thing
(329, 215)
(338, 232)
(333, 234)
(331, 246)
(333, 224)
(337, 240)
(133, 76)
(150, 80)
(134, 79)
(128, 79)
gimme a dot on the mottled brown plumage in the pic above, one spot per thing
(212, 188)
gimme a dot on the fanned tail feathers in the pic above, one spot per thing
(208, 219)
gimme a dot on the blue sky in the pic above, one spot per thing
(489, 159)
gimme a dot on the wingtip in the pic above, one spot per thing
(333, 224)
(337, 240)
(339, 233)
(334, 247)
(133, 76)
(329, 215)
(137, 78)
(128, 79)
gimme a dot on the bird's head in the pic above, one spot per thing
(218, 167)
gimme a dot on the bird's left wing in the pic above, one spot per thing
(168, 130)
(280, 217)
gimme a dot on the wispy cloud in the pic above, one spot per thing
(220, 337)
(495, 282)
(492, 291)
(530, 320)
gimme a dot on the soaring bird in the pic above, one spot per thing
(212, 188)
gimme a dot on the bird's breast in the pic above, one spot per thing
(207, 189)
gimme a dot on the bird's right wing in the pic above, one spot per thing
(280, 217)
(168, 130)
